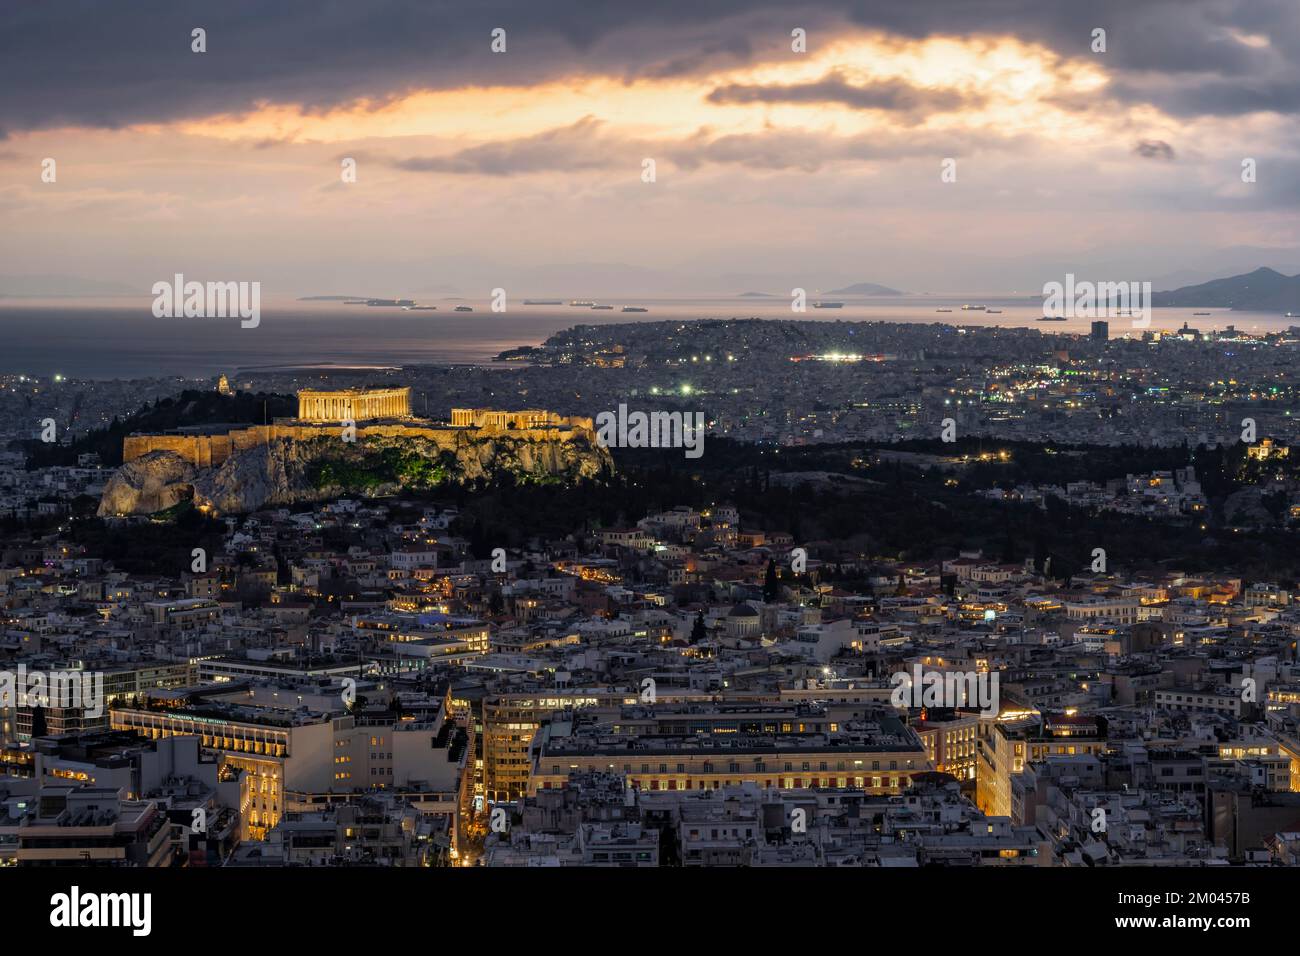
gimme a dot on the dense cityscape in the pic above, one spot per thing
(399, 673)
(657, 445)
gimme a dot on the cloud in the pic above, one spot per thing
(571, 148)
(810, 150)
(1154, 149)
(892, 95)
(134, 63)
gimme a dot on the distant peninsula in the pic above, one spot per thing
(1264, 290)
(865, 288)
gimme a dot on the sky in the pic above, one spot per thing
(527, 169)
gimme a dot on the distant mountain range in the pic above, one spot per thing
(858, 288)
(1264, 290)
(865, 288)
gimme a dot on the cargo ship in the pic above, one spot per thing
(634, 308)
(828, 305)
(464, 308)
(543, 302)
(582, 303)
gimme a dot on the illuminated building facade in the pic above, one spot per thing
(1007, 751)
(288, 760)
(354, 404)
(710, 747)
(951, 739)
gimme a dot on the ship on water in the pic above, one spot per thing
(1051, 318)
(582, 303)
(603, 308)
(993, 311)
(828, 305)
(972, 308)
(464, 308)
(943, 310)
(543, 302)
(634, 308)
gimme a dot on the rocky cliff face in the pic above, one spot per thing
(152, 482)
(287, 471)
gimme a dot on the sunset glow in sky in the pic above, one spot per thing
(772, 166)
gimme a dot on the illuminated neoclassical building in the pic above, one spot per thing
(354, 404)
(1266, 449)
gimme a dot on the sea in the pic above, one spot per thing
(121, 339)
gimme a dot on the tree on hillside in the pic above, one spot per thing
(698, 631)
(771, 586)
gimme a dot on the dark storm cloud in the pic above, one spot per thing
(1215, 97)
(108, 64)
(892, 95)
(709, 56)
(1154, 149)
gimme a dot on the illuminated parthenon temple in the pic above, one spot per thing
(354, 404)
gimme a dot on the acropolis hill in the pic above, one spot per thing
(373, 411)
(356, 441)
